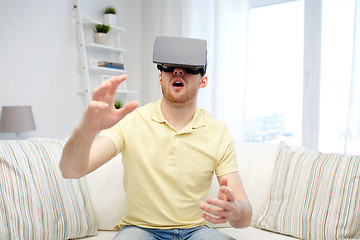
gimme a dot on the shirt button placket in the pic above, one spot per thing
(173, 152)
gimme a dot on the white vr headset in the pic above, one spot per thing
(189, 53)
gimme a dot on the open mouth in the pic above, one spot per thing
(178, 84)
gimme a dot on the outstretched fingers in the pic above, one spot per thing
(219, 210)
(107, 89)
(101, 90)
(101, 113)
(98, 105)
(128, 108)
(217, 204)
(115, 82)
(214, 220)
(216, 211)
(223, 182)
(214, 214)
(225, 193)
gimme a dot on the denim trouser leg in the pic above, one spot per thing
(132, 232)
(198, 233)
(205, 233)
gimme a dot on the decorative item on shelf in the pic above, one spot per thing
(114, 65)
(110, 16)
(100, 35)
(17, 119)
(93, 62)
(118, 104)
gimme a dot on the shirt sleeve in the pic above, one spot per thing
(115, 134)
(228, 162)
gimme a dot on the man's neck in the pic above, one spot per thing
(178, 115)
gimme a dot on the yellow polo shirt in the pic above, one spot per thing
(167, 174)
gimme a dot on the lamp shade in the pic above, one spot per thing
(17, 119)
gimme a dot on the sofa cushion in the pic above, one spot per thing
(313, 195)
(107, 193)
(36, 202)
(251, 233)
(256, 164)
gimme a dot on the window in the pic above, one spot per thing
(336, 67)
(275, 73)
(304, 85)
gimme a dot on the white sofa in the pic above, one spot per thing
(306, 194)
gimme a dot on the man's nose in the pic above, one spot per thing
(179, 71)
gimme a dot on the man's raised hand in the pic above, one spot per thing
(101, 113)
(222, 209)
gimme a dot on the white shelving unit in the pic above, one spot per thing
(112, 52)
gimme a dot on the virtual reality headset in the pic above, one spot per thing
(188, 53)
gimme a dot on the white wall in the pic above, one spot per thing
(39, 59)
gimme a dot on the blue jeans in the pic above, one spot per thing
(198, 233)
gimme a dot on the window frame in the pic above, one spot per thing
(312, 67)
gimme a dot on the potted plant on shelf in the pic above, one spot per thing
(118, 104)
(101, 31)
(109, 16)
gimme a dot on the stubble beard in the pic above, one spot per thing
(179, 98)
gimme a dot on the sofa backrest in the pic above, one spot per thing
(108, 197)
(105, 186)
(256, 163)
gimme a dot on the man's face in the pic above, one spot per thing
(180, 87)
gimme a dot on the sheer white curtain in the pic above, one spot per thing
(224, 24)
(352, 141)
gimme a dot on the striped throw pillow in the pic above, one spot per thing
(36, 202)
(313, 195)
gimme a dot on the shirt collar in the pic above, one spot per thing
(199, 119)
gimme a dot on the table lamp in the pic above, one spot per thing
(17, 119)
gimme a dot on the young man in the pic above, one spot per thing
(170, 150)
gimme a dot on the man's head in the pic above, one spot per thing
(188, 53)
(182, 62)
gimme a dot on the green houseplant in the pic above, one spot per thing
(110, 15)
(101, 31)
(118, 104)
(110, 10)
(101, 28)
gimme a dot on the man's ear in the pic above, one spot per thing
(160, 78)
(204, 82)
